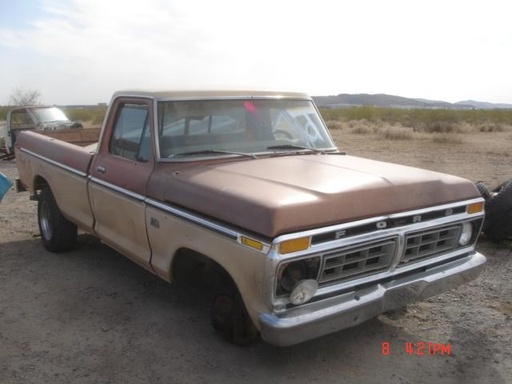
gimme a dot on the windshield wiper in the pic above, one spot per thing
(212, 151)
(300, 147)
(292, 147)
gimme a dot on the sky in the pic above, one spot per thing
(81, 51)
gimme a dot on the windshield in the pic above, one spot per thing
(45, 115)
(201, 128)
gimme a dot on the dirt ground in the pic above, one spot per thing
(92, 316)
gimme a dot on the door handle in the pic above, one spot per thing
(101, 169)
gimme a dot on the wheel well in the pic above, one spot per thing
(40, 183)
(191, 267)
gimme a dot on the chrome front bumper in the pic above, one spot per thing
(352, 308)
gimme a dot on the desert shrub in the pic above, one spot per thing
(362, 127)
(465, 127)
(362, 130)
(438, 127)
(446, 127)
(334, 124)
(491, 127)
(93, 115)
(396, 133)
(425, 120)
(356, 123)
(3, 113)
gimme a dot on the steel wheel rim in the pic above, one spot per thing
(46, 228)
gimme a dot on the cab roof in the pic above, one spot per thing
(211, 94)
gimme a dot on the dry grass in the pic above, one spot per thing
(453, 127)
(92, 116)
(385, 131)
(452, 133)
(335, 124)
(447, 138)
(494, 127)
(363, 129)
(396, 133)
(474, 155)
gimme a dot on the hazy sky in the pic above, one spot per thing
(81, 51)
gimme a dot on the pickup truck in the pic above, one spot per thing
(246, 190)
(48, 120)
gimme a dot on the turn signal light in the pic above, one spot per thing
(475, 208)
(295, 245)
(251, 243)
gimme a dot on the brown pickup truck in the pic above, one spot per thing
(247, 190)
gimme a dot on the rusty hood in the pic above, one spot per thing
(278, 195)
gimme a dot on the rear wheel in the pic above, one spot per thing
(57, 232)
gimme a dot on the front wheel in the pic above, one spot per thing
(58, 233)
(230, 318)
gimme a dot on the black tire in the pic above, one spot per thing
(482, 188)
(500, 187)
(58, 233)
(230, 319)
(498, 213)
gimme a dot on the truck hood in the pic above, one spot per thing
(274, 196)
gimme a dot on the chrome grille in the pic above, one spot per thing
(420, 245)
(356, 261)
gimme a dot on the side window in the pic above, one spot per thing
(131, 135)
(21, 120)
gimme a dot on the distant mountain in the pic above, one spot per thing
(484, 105)
(390, 101)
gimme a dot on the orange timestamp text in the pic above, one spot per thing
(418, 348)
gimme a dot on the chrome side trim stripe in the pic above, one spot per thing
(115, 188)
(53, 162)
(193, 219)
(172, 210)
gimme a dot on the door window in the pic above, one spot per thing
(131, 136)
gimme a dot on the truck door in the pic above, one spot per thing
(119, 175)
(17, 120)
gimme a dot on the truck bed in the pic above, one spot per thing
(81, 137)
(50, 149)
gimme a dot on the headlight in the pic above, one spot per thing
(291, 278)
(303, 292)
(466, 234)
(292, 274)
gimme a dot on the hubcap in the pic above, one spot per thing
(45, 220)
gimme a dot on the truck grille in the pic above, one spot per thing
(355, 261)
(361, 260)
(420, 245)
